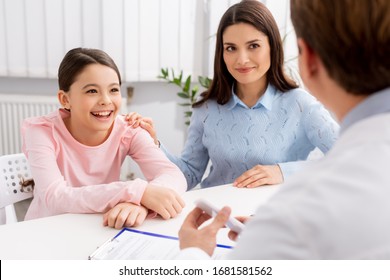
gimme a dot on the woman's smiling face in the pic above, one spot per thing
(246, 53)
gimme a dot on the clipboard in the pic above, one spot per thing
(142, 245)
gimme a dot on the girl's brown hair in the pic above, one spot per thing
(76, 60)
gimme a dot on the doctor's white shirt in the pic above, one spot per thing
(338, 207)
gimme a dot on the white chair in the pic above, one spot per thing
(14, 172)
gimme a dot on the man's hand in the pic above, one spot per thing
(232, 234)
(205, 238)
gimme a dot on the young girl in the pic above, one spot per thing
(254, 124)
(76, 153)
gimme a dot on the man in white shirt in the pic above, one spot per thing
(338, 208)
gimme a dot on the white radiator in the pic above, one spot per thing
(13, 110)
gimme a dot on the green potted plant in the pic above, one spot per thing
(188, 91)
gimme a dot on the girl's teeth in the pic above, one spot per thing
(101, 114)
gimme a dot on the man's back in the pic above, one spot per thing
(336, 209)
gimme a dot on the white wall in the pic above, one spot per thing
(141, 35)
(160, 102)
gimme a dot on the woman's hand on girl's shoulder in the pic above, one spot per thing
(133, 119)
(136, 120)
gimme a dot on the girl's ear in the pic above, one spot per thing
(63, 98)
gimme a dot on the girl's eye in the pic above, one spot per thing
(92, 91)
(115, 90)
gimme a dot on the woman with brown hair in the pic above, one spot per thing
(254, 124)
(338, 208)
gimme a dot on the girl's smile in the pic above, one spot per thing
(94, 100)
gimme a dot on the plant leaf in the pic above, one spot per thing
(180, 76)
(164, 72)
(187, 84)
(204, 81)
(177, 82)
(186, 91)
(172, 73)
(183, 95)
(195, 89)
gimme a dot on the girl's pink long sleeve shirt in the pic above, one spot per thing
(73, 178)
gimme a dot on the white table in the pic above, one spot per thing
(76, 236)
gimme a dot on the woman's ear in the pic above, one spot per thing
(63, 98)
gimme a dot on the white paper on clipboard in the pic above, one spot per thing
(132, 244)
